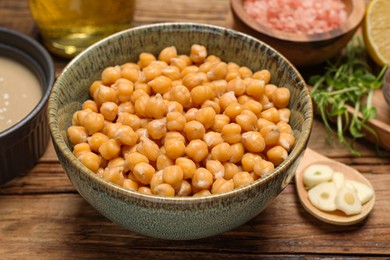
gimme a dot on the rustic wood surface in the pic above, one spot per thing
(43, 217)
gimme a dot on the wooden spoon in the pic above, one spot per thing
(335, 217)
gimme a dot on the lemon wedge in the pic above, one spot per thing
(376, 31)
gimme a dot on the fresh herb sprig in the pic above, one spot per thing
(348, 80)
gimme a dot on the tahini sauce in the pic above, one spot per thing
(20, 92)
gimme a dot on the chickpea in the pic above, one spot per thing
(114, 175)
(241, 179)
(109, 110)
(198, 53)
(117, 162)
(143, 172)
(181, 94)
(130, 184)
(255, 88)
(245, 72)
(105, 94)
(145, 190)
(217, 71)
(191, 114)
(173, 175)
(145, 59)
(220, 121)
(247, 120)
(90, 104)
(200, 94)
(110, 149)
(214, 104)
(284, 114)
(233, 110)
(212, 138)
(160, 84)
(206, 116)
(237, 86)
(175, 121)
(126, 135)
(177, 136)
(271, 114)
(230, 170)
(129, 119)
(221, 152)
(110, 75)
(263, 168)
(174, 148)
(126, 107)
(77, 134)
(284, 127)
(237, 152)
(281, 97)
(174, 106)
(167, 54)
(157, 128)
(187, 165)
(156, 107)
(81, 148)
(221, 185)
(248, 161)
(96, 140)
(171, 72)
(130, 73)
(194, 130)
(262, 75)
(286, 140)
(277, 155)
(197, 150)
(163, 161)
(253, 106)
(134, 158)
(226, 99)
(231, 133)
(271, 134)
(184, 189)
(216, 168)
(202, 179)
(124, 89)
(202, 193)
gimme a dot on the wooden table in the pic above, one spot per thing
(43, 217)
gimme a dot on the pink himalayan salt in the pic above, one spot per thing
(298, 16)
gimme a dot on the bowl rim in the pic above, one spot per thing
(59, 142)
(48, 70)
(354, 20)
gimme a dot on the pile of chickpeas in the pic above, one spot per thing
(182, 125)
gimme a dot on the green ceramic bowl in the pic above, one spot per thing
(176, 218)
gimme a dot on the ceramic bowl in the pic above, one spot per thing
(23, 143)
(177, 218)
(302, 50)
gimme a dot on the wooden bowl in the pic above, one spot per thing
(302, 50)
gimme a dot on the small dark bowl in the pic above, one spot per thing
(302, 50)
(22, 144)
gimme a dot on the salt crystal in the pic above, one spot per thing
(304, 16)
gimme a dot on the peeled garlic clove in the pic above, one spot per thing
(339, 179)
(323, 195)
(348, 202)
(316, 174)
(364, 192)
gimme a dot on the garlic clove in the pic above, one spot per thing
(316, 174)
(339, 179)
(364, 192)
(348, 202)
(323, 195)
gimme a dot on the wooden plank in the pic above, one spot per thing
(66, 224)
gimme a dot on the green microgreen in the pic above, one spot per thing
(348, 80)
